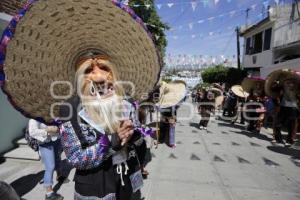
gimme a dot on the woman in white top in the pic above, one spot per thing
(49, 150)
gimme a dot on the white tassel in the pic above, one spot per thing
(126, 168)
(120, 172)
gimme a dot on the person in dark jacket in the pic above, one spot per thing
(167, 125)
(103, 145)
(206, 106)
(289, 111)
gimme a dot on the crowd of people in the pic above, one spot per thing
(271, 103)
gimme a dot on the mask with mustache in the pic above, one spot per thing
(106, 111)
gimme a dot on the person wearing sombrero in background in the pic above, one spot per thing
(206, 107)
(230, 104)
(105, 43)
(284, 86)
(170, 96)
(240, 98)
(255, 103)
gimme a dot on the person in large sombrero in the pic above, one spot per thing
(238, 103)
(206, 107)
(284, 87)
(171, 95)
(231, 102)
(94, 44)
(255, 102)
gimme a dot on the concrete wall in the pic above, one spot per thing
(286, 31)
(11, 124)
(291, 64)
(262, 60)
(11, 121)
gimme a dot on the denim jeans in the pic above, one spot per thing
(50, 153)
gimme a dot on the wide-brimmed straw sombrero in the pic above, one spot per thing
(217, 92)
(239, 91)
(44, 41)
(171, 94)
(250, 83)
(276, 79)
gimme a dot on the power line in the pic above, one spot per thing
(228, 43)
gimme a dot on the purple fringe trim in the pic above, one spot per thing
(104, 143)
(146, 131)
(256, 78)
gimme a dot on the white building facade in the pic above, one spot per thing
(273, 43)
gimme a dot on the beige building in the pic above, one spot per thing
(274, 42)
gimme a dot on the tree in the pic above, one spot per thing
(221, 74)
(235, 76)
(214, 74)
(167, 80)
(148, 13)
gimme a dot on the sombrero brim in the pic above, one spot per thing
(216, 85)
(216, 91)
(219, 101)
(250, 83)
(171, 94)
(43, 42)
(239, 91)
(280, 76)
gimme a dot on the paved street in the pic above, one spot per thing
(223, 163)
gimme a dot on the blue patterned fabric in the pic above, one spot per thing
(89, 157)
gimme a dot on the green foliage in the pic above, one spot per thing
(167, 80)
(150, 16)
(202, 85)
(214, 74)
(235, 76)
(221, 74)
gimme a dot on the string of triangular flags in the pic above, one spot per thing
(194, 3)
(180, 60)
(218, 32)
(203, 36)
(231, 14)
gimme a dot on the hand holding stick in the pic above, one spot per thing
(125, 131)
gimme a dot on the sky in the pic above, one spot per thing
(207, 28)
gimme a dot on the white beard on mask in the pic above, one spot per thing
(106, 111)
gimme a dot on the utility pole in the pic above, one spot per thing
(247, 16)
(238, 46)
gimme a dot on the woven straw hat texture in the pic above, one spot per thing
(171, 94)
(280, 76)
(251, 82)
(51, 37)
(239, 91)
(217, 92)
